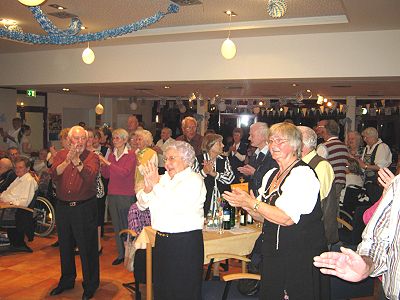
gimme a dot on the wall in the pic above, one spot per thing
(346, 54)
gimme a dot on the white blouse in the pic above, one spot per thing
(299, 192)
(176, 204)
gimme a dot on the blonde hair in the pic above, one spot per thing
(146, 135)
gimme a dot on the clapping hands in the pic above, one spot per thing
(151, 176)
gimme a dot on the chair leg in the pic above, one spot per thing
(226, 290)
(208, 274)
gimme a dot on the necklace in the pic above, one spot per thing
(280, 174)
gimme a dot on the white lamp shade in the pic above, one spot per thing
(228, 49)
(99, 109)
(31, 2)
(88, 56)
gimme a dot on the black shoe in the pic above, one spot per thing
(58, 290)
(55, 244)
(87, 296)
(117, 261)
(23, 248)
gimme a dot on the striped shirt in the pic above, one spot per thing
(336, 152)
(381, 240)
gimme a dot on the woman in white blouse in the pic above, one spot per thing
(293, 232)
(176, 203)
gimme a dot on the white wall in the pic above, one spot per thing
(347, 54)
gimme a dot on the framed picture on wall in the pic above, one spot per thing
(55, 126)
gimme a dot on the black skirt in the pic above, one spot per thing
(178, 265)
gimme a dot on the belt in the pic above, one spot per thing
(169, 234)
(73, 203)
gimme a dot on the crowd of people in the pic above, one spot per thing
(295, 187)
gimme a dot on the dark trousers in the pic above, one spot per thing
(178, 259)
(374, 191)
(16, 237)
(78, 223)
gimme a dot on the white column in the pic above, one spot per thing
(107, 116)
(201, 110)
(351, 111)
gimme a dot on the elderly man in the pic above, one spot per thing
(132, 124)
(335, 151)
(376, 155)
(261, 162)
(326, 176)
(160, 147)
(190, 135)
(237, 151)
(74, 172)
(7, 174)
(20, 192)
(13, 153)
(378, 253)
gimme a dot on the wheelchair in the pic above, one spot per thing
(44, 217)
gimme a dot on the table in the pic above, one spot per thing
(239, 241)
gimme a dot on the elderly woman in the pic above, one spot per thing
(176, 204)
(143, 139)
(376, 155)
(215, 169)
(293, 232)
(354, 143)
(120, 169)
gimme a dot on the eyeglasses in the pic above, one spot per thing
(321, 126)
(170, 158)
(277, 141)
(189, 127)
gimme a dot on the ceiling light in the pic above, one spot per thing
(167, 87)
(88, 55)
(260, 103)
(294, 84)
(228, 47)
(230, 13)
(276, 8)
(308, 91)
(65, 89)
(60, 8)
(31, 2)
(83, 27)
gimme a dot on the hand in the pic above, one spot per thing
(208, 167)
(247, 170)
(103, 160)
(232, 148)
(53, 150)
(385, 178)
(347, 265)
(151, 176)
(239, 198)
(157, 149)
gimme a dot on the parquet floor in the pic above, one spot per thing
(31, 276)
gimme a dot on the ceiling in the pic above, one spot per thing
(207, 21)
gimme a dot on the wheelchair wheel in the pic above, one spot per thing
(44, 216)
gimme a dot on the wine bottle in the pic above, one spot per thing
(250, 219)
(233, 216)
(243, 217)
(226, 215)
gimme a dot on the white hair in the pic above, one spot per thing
(185, 150)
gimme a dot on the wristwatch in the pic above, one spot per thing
(79, 163)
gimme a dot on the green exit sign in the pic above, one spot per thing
(31, 93)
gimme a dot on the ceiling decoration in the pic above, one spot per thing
(71, 35)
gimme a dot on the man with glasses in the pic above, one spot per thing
(74, 171)
(190, 135)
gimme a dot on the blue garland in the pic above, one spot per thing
(70, 36)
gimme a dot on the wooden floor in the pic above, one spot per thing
(32, 276)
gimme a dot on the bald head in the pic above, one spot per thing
(5, 165)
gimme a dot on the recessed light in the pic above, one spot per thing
(308, 91)
(294, 84)
(60, 8)
(57, 6)
(83, 27)
(65, 89)
(167, 87)
(230, 13)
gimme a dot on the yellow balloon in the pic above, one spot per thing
(99, 109)
(31, 2)
(88, 56)
(228, 49)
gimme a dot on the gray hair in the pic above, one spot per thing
(120, 132)
(332, 127)
(185, 150)
(146, 135)
(370, 132)
(75, 128)
(168, 129)
(188, 119)
(357, 136)
(261, 128)
(309, 137)
(210, 140)
(291, 133)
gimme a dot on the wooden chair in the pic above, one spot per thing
(227, 288)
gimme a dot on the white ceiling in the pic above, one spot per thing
(208, 21)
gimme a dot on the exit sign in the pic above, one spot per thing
(31, 93)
